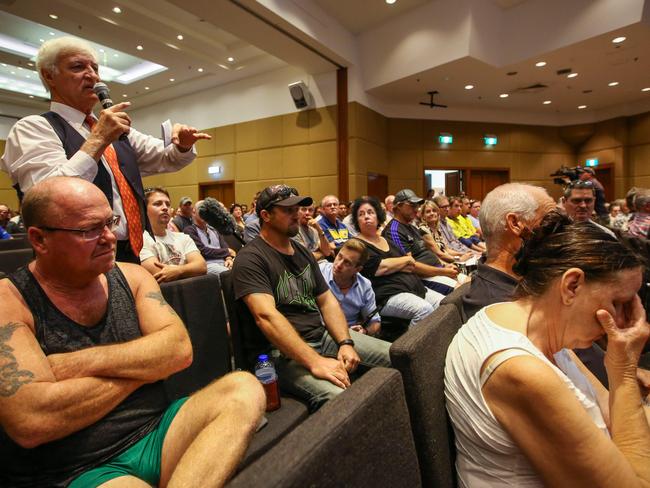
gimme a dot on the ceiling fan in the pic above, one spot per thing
(431, 103)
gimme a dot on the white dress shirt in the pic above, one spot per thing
(34, 152)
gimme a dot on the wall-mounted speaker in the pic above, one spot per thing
(302, 99)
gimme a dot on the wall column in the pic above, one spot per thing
(342, 133)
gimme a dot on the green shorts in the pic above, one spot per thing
(141, 460)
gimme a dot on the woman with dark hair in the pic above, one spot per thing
(525, 410)
(398, 290)
(238, 214)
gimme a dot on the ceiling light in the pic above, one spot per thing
(101, 50)
(179, 37)
(647, 88)
(52, 33)
(115, 55)
(54, 16)
(504, 95)
(110, 21)
(540, 64)
(547, 102)
(223, 66)
(172, 46)
(124, 95)
(28, 64)
(41, 40)
(139, 47)
(4, 64)
(580, 107)
(572, 75)
(469, 87)
(117, 10)
(613, 83)
(13, 72)
(200, 70)
(230, 59)
(31, 96)
(391, 2)
(146, 87)
(27, 76)
(138, 72)
(618, 40)
(171, 79)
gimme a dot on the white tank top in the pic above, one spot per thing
(486, 454)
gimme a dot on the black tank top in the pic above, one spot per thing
(57, 463)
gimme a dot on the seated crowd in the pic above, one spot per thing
(319, 288)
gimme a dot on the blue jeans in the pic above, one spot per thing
(216, 267)
(410, 306)
(297, 380)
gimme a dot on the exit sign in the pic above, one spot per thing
(592, 162)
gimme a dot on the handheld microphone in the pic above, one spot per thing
(101, 90)
(217, 216)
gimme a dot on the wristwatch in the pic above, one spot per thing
(346, 342)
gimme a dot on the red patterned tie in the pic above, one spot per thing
(129, 202)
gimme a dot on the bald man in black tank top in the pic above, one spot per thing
(84, 345)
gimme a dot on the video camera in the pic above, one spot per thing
(566, 175)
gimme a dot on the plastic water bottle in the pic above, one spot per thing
(265, 373)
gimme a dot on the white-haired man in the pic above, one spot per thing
(70, 141)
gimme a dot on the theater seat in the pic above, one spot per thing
(10, 261)
(420, 356)
(198, 303)
(293, 411)
(362, 438)
(456, 298)
(15, 243)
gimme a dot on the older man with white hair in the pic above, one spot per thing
(508, 214)
(70, 141)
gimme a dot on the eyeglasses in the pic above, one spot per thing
(277, 193)
(90, 234)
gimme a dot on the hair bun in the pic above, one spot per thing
(553, 223)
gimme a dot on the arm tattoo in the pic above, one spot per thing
(156, 295)
(11, 378)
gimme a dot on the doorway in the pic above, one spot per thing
(605, 174)
(378, 186)
(223, 191)
(474, 182)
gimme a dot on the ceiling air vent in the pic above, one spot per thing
(536, 88)
(564, 71)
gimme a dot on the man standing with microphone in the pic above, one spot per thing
(70, 141)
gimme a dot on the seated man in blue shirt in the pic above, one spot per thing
(335, 230)
(352, 290)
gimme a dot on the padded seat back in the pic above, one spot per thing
(420, 356)
(362, 438)
(456, 299)
(199, 304)
(15, 243)
(11, 260)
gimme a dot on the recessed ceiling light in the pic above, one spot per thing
(572, 75)
(540, 64)
(29, 64)
(101, 50)
(20, 68)
(27, 76)
(230, 59)
(31, 96)
(647, 88)
(117, 10)
(41, 40)
(171, 79)
(146, 87)
(504, 95)
(54, 17)
(13, 72)
(200, 70)
(547, 102)
(580, 107)
(139, 47)
(613, 83)
(469, 87)
(4, 64)
(179, 37)
(115, 55)
(391, 2)
(618, 40)
(124, 95)
(52, 33)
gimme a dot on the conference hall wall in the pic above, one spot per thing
(300, 149)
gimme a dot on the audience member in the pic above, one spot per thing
(168, 255)
(588, 174)
(4, 234)
(344, 211)
(69, 141)
(640, 223)
(252, 228)
(184, 216)
(525, 410)
(450, 239)
(301, 320)
(16, 225)
(311, 235)
(85, 344)
(238, 214)
(212, 246)
(351, 289)
(407, 238)
(616, 218)
(399, 291)
(335, 231)
(579, 200)
(458, 224)
(474, 210)
(430, 231)
(5, 215)
(388, 203)
(509, 214)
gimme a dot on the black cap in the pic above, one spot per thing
(407, 195)
(281, 195)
